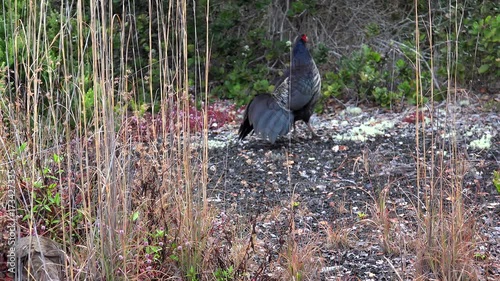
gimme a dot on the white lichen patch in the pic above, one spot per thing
(216, 144)
(334, 123)
(197, 143)
(352, 110)
(464, 103)
(481, 129)
(369, 129)
(483, 143)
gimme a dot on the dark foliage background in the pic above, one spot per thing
(365, 49)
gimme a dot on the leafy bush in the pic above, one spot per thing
(472, 54)
(245, 55)
(496, 180)
(242, 83)
(50, 202)
(487, 32)
(244, 72)
(370, 75)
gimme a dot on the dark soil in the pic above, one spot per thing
(357, 199)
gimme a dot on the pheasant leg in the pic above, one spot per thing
(295, 135)
(314, 135)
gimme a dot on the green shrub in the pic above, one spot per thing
(370, 75)
(486, 40)
(496, 180)
(244, 73)
(472, 54)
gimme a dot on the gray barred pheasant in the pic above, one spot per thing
(297, 92)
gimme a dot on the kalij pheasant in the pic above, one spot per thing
(294, 98)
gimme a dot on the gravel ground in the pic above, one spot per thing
(327, 193)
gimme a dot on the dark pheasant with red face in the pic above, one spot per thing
(297, 92)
